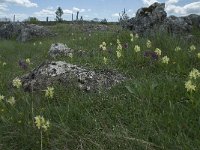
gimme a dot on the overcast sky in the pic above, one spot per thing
(90, 9)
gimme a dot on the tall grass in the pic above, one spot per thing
(151, 110)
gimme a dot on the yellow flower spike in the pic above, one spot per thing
(105, 60)
(190, 86)
(4, 63)
(119, 54)
(49, 92)
(165, 60)
(1, 97)
(192, 48)
(198, 55)
(136, 36)
(148, 44)
(177, 49)
(41, 123)
(158, 51)
(137, 48)
(194, 74)
(11, 100)
(28, 61)
(17, 83)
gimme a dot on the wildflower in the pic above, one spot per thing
(192, 48)
(11, 100)
(137, 48)
(28, 61)
(41, 123)
(190, 86)
(136, 36)
(70, 55)
(148, 44)
(198, 55)
(49, 92)
(153, 55)
(158, 51)
(165, 60)
(131, 35)
(177, 49)
(118, 41)
(119, 54)
(4, 63)
(34, 43)
(23, 64)
(119, 47)
(194, 74)
(105, 60)
(17, 83)
(40, 43)
(1, 98)
(103, 46)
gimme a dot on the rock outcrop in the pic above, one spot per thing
(23, 32)
(66, 74)
(152, 19)
(59, 49)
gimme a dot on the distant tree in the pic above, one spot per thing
(32, 20)
(59, 13)
(123, 20)
(104, 21)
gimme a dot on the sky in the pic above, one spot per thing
(90, 9)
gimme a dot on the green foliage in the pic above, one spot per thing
(59, 13)
(32, 20)
(151, 110)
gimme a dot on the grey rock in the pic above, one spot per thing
(49, 73)
(59, 49)
(23, 32)
(153, 19)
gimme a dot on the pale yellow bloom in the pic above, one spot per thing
(1, 97)
(132, 37)
(28, 61)
(119, 47)
(192, 48)
(41, 123)
(11, 100)
(148, 44)
(105, 60)
(17, 83)
(190, 86)
(136, 36)
(4, 63)
(198, 55)
(194, 74)
(165, 60)
(49, 92)
(70, 55)
(137, 48)
(103, 46)
(177, 49)
(118, 41)
(40, 43)
(119, 54)
(158, 51)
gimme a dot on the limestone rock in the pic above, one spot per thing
(153, 19)
(67, 74)
(23, 32)
(59, 49)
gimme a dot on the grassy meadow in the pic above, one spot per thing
(156, 108)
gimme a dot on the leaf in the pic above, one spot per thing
(129, 89)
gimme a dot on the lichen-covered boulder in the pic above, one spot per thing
(59, 49)
(23, 32)
(60, 72)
